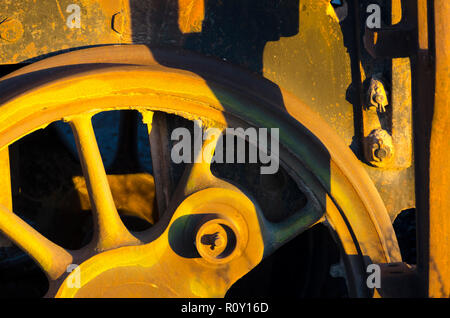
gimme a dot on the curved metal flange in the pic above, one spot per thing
(48, 90)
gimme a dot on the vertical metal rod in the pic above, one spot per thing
(160, 153)
(439, 241)
(423, 97)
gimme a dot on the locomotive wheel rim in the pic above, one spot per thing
(353, 207)
(149, 270)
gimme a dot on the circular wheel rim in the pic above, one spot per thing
(49, 90)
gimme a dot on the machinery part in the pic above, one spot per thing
(154, 270)
(378, 148)
(11, 30)
(376, 97)
(421, 35)
(439, 264)
(157, 131)
(137, 185)
(336, 184)
(288, 59)
(219, 240)
(431, 124)
(399, 174)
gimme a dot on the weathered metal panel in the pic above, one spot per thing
(439, 258)
(302, 46)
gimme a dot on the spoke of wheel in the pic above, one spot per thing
(52, 258)
(110, 232)
(198, 175)
(161, 161)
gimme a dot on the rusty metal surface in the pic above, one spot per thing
(401, 101)
(431, 124)
(394, 180)
(307, 54)
(311, 59)
(344, 179)
(45, 29)
(439, 200)
(400, 116)
(423, 85)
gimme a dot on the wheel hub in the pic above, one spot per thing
(208, 233)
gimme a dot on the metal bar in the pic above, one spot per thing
(52, 258)
(401, 101)
(160, 153)
(109, 230)
(423, 103)
(439, 245)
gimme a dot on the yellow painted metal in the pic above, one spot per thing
(401, 102)
(439, 200)
(95, 27)
(29, 26)
(311, 61)
(215, 237)
(353, 206)
(314, 65)
(159, 145)
(185, 87)
(52, 258)
(133, 194)
(154, 270)
(198, 175)
(190, 16)
(110, 232)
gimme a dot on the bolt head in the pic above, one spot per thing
(381, 153)
(377, 98)
(378, 147)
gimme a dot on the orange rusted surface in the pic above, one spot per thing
(309, 60)
(344, 186)
(439, 200)
(305, 53)
(190, 15)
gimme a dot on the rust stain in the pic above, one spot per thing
(60, 10)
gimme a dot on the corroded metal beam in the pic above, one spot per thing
(439, 242)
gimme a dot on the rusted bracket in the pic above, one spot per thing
(387, 116)
(399, 40)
